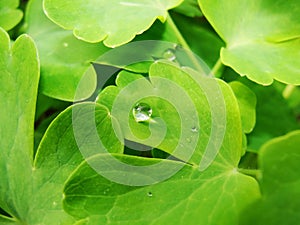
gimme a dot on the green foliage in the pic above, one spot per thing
(65, 60)
(279, 162)
(10, 16)
(259, 43)
(94, 23)
(156, 134)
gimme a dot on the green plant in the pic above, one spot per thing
(155, 135)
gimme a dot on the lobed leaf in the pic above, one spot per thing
(195, 104)
(259, 36)
(189, 196)
(115, 22)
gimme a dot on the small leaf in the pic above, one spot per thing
(116, 22)
(261, 37)
(10, 16)
(247, 104)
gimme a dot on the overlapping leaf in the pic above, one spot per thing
(10, 16)
(65, 60)
(189, 196)
(115, 22)
(247, 103)
(262, 37)
(18, 90)
(213, 195)
(191, 99)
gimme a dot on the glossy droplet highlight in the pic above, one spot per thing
(194, 129)
(169, 54)
(150, 194)
(142, 112)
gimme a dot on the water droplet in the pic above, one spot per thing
(142, 112)
(150, 194)
(65, 44)
(169, 54)
(54, 203)
(194, 129)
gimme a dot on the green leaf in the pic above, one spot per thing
(18, 90)
(247, 104)
(260, 37)
(196, 101)
(206, 194)
(65, 60)
(182, 199)
(58, 155)
(10, 16)
(280, 182)
(116, 22)
(189, 8)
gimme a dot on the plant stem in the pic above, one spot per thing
(251, 172)
(217, 68)
(287, 92)
(184, 44)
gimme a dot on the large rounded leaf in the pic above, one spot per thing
(205, 127)
(116, 21)
(262, 37)
(208, 198)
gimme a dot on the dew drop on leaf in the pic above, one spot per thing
(194, 129)
(169, 54)
(142, 112)
(150, 194)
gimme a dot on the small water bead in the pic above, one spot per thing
(142, 112)
(169, 54)
(150, 194)
(65, 44)
(194, 129)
